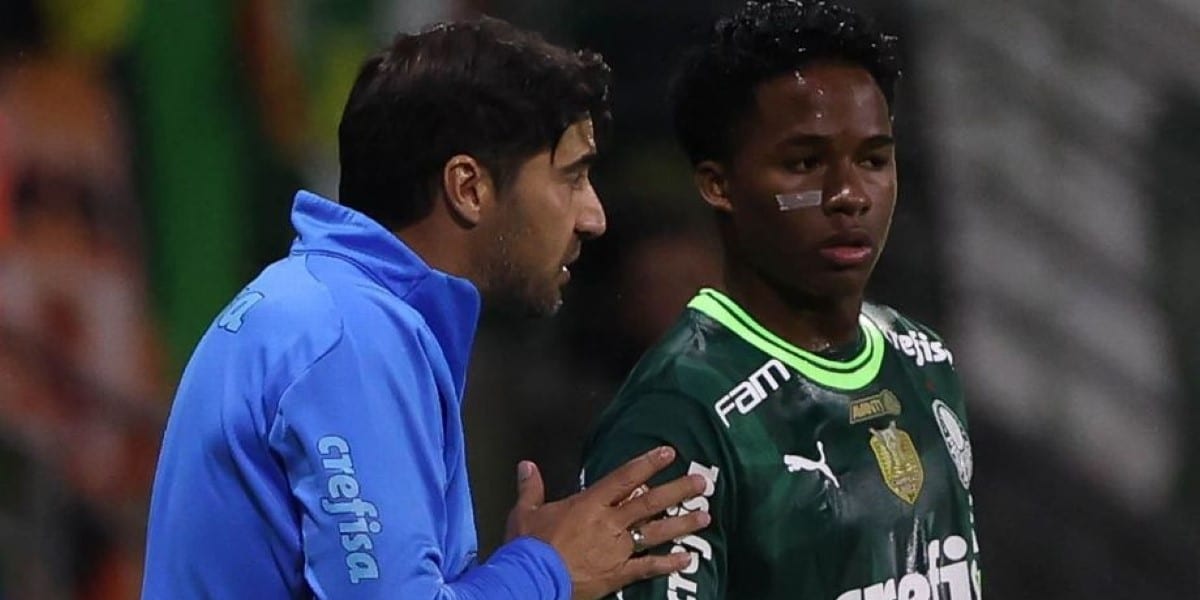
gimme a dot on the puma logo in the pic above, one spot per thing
(799, 463)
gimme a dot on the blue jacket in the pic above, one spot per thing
(315, 446)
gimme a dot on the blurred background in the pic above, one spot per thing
(1047, 226)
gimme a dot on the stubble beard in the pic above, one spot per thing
(514, 290)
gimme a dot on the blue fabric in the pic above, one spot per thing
(315, 446)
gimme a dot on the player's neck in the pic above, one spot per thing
(814, 324)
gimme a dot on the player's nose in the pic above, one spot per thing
(845, 193)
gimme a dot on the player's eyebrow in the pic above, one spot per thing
(875, 141)
(879, 141)
(807, 139)
(581, 163)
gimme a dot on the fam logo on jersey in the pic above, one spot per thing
(899, 462)
(950, 575)
(882, 404)
(747, 395)
(957, 442)
(918, 345)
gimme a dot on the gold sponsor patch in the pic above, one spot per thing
(898, 461)
(882, 404)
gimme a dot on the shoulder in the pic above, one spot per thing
(684, 369)
(284, 314)
(290, 318)
(669, 394)
(313, 293)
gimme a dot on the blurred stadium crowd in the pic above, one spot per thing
(149, 152)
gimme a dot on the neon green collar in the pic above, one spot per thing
(852, 374)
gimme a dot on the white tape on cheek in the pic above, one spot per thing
(799, 200)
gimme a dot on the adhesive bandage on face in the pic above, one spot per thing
(797, 200)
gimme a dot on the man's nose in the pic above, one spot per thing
(592, 222)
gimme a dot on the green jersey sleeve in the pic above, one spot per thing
(638, 423)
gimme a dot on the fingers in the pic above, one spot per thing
(660, 498)
(531, 492)
(661, 531)
(617, 486)
(645, 567)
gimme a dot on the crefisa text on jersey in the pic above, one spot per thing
(357, 518)
(918, 346)
(954, 576)
(681, 584)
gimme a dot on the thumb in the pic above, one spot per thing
(531, 492)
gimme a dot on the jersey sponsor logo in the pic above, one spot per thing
(899, 462)
(682, 584)
(882, 404)
(357, 519)
(957, 442)
(747, 395)
(918, 346)
(949, 577)
(233, 317)
(796, 463)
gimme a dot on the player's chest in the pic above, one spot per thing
(866, 460)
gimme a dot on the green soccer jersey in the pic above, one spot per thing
(835, 477)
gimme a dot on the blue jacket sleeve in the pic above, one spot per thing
(361, 436)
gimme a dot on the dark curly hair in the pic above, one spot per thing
(483, 88)
(715, 85)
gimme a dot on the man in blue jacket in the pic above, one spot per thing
(315, 446)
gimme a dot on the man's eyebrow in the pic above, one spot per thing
(581, 163)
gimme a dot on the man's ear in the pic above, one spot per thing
(468, 187)
(709, 177)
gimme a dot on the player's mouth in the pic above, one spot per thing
(848, 249)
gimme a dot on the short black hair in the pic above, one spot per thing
(483, 88)
(715, 85)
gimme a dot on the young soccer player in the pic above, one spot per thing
(831, 431)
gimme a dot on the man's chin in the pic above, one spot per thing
(528, 305)
(547, 306)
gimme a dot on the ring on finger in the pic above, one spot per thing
(639, 540)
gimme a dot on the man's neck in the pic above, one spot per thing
(813, 324)
(441, 245)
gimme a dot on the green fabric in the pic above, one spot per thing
(193, 155)
(818, 493)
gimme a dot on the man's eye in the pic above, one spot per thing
(806, 165)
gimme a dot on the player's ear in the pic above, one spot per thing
(469, 189)
(709, 177)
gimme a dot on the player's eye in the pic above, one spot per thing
(806, 164)
(876, 162)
